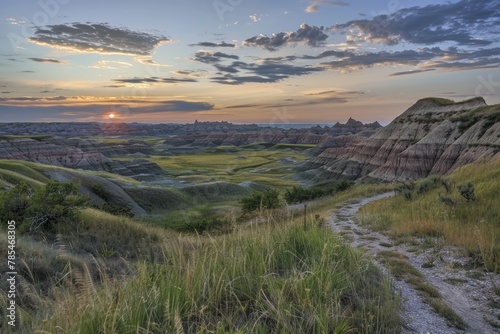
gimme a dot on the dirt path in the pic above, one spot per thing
(469, 293)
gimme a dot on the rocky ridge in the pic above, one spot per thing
(92, 146)
(434, 136)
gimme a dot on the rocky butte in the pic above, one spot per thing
(434, 136)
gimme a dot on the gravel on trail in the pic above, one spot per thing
(469, 292)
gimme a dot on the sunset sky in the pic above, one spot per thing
(280, 61)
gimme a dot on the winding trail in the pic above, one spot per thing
(469, 293)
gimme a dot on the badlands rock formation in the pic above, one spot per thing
(434, 136)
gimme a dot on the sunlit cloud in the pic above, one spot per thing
(466, 22)
(310, 35)
(411, 72)
(111, 65)
(97, 38)
(14, 21)
(314, 7)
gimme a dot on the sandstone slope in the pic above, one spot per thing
(434, 136)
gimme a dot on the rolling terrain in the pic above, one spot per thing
(165, 218)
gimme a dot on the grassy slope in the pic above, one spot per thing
(244, 165)
(104, 273)
(472, 225)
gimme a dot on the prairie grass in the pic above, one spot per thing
(107, 274)
(260, 280)
(473, 225)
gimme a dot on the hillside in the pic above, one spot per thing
(434, 136)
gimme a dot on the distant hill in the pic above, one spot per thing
(434, 136)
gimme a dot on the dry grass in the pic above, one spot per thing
(472, 225)
(107, 274)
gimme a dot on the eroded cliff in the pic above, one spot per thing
(434, 136)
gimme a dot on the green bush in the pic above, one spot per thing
(15, 203)
(43, 207)
(269, 199)
(467, 191)
(299, 195)
(428, 184)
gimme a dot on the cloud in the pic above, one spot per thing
(312, 9)
(328, 96)
(150, 62)
(210, 57)
(470, 65)
(406, 57)
(114, 86)
(307, 99)
(97, 38)
(331, 53)
(466, 22)
(327, 92)
(58, 108)
(255, 18)
(266, 72)
(427, 59)
(411, 72)
(311, 35)
(152, 80)
(32, 99)
(174, 106)
(47, 60)
(111, 65)
(214, 45)
(316, 3)
(188, 73)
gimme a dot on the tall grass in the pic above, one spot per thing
(473, 225)
(109, 274)
(265, 279)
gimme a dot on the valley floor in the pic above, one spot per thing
(469, 293)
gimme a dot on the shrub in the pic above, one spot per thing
(42, 207)
(446, 200)
(447, 185)
(299, 195)
(343, 185)
(467, 191)
(14, 203)
(405, 189)
(428, 184)
(269, 199)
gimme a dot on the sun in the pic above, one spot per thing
(111, 116)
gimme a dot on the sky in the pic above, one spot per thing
(242, 61)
